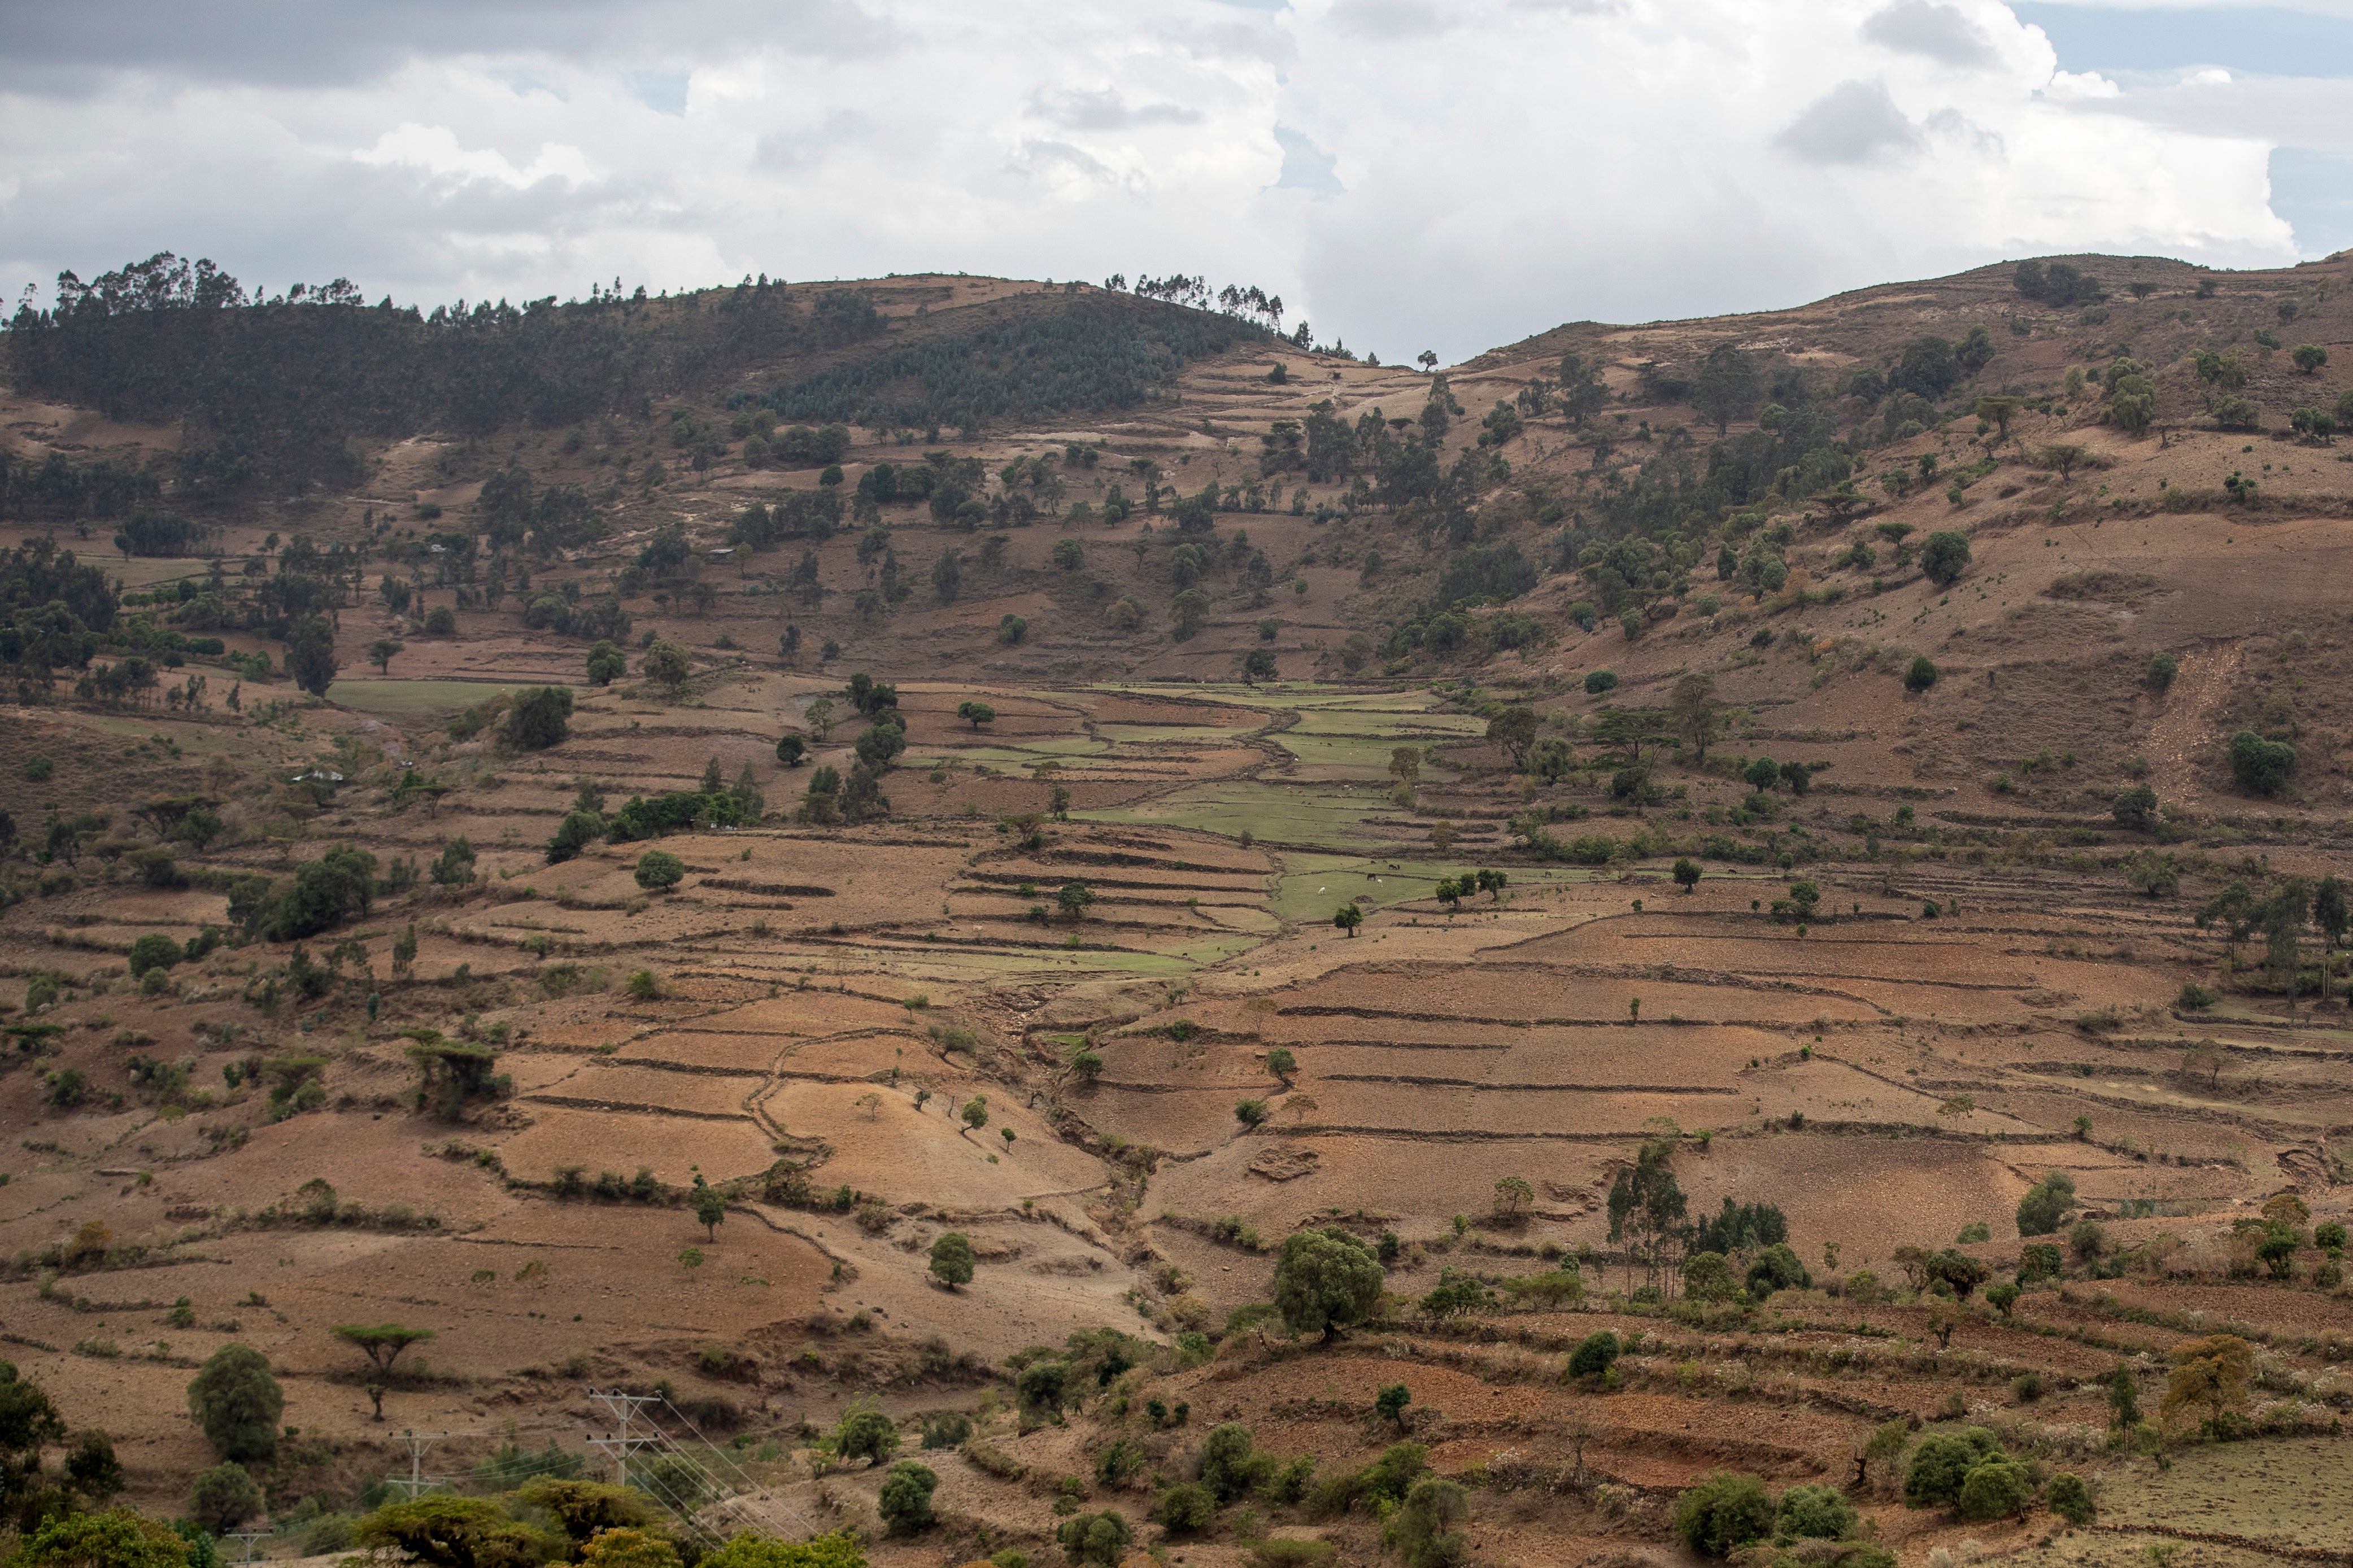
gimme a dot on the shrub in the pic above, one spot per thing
(1597, 681)
(1996, 1489)
(119, 1540)
(1286, 1552)
(540, 719)
(1389, 1402)
(237, 1403)
(2135, 808)
(1815, 1513)
(645, 986)
(1922, 675)
(1425, 1524)
(153, 951)
(1325, 1280)
(905, 1504)
(1185, 1509)
(1230, 1462)
(2070, 1499)
(2045, 1204)
(1944, 556)
(1778, 1268)
(865, 1433)
(1722, 1513)
(224, 1496)
(659, 870)
(1098, 1538)
(2260, 766)
(2162, 667)
(1707, 1277)
(1942, 1463)
(1594, 1354)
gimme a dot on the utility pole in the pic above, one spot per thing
(416, 1482)
(621, 1443)
(248, 1537)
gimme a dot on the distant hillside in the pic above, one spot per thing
(274, 393)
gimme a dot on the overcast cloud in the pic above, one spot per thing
(1406, 173)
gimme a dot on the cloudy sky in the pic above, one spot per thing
(1406, 173)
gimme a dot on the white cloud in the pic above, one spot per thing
(435, 150)
(1406, 172)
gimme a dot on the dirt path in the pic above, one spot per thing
(2182, 732)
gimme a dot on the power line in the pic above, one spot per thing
(416, 1482)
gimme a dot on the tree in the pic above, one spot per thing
(2062, 455)
(2071, 1499)
(310, 653)
(116, 1540)
(606, 664)
(976, 714)
(2309, 357)
(1813, 1513)
(975, 1112)
(2212, 1373)
(153, 951)
(382, 1345)
(224, 1496)
(1722, 1513)
(1945, 556)
(237, 1403)
(539, 718)
(1778, 1268)
(92, 1466)
(2260, 766)
(1186, 610)
(865, 1433)
(1727, 387)
(627, 1547)
(2332, 914)
(659, 870)
(455, 1533)
(905, 1504)
(1707, 1277)
(1425, 1524)
(382, 651)
(2135, 808)
(1041, 1386)
(710, 1207)
(951, 1258)
(792, 751)
(455, 867)
(1998, 412)
(1686, 873)
(1514, 730)
(1259, 665)
(666, 664)
(1072, 899)
(1694, 714)
(1594, 1355)
(1390, 1403)
(1998, 1488)
(1099, 1539)
(2046, 1204)
(1348, 917)
(1325, 1280)
(1942, 1463)
(1250, 1113)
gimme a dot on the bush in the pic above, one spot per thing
(1943, 1462)
(1597, 681)
(1325, 1280)
(2070, 1499)
(1230, 1462)
(1814, 1513)
(153, 951)
(645, 986)
(539, 718)
(1185, 1509)
(2260, 766)
(952, 1259)
(865, 1433)
(1778, 1268)
(1594, 1355)
(2162, 667)
(1922, 675)
(2135, 808)
(2045, 1204)
(1722, 1513)
(224, 1496)
(1425, 1524)
(1098, 1538)
(1996, 1489)
(659, 870)
(237, 1403)
(119, 1540)
(905, 1504)
(1944, 556)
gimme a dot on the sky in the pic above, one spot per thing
(1448, 174)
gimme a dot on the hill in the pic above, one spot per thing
(1906, 728)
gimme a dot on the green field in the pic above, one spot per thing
(416, 699)
(2295, 1492)
(1285, 812)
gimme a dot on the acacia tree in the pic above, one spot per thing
(382, 1345)
(382, 651)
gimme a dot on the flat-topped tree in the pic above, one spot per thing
(382, 1345)
(975, 713)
